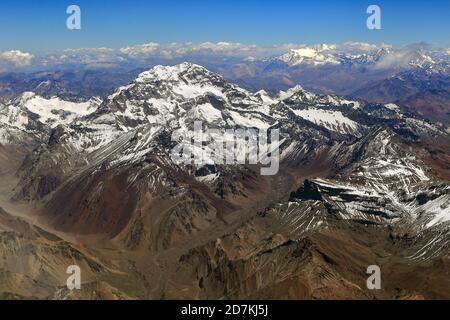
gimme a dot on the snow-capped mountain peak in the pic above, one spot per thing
(379, 57)
(173, 73)
(310, 55)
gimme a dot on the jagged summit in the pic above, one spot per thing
(174, 73)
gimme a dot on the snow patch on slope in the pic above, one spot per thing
(330, 119)
(55, 111)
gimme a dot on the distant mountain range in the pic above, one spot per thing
(416, 77)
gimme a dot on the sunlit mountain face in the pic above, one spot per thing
(222, 170)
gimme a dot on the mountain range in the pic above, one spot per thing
(91, 182)
(415, 77)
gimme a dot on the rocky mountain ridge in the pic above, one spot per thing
(358, 182)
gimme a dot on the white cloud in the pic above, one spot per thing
(143, 50)
(139, 53)
(360, 46)
(395, 59)
(404, 57)
(84, 50)
(227, 49)
(93, 57)
(16, 58)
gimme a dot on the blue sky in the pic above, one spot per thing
(40, 25)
